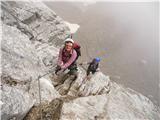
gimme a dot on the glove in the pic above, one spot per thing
(58, 68)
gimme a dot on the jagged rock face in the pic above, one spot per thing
(134, 105)
(36, 20)
(98, 84)
(15, 103)
(85, 108)
(19, 64)
(32, 34)
(19, 61)
(48, 92)
(119, 103)
(104, 100)
(43, 27)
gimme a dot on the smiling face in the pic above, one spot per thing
(68, 46)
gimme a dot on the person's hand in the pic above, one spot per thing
(58, 68)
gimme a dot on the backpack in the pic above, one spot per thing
(77, 47)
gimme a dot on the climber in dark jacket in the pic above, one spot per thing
(93, 66)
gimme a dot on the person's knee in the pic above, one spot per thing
(73, 73)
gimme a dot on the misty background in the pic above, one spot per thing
(124, 35)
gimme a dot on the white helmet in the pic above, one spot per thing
(69, 40)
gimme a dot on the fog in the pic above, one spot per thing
(124, 35)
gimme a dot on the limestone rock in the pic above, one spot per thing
(48, 92)
(27, 53)
(36, 20)
(97, 84)
(15, 103)
(19, 61)
(119, 103)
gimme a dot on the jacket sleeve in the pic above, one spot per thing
(97, 66)
(60, 62)
(70, 61)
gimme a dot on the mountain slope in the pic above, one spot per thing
(32, 35)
